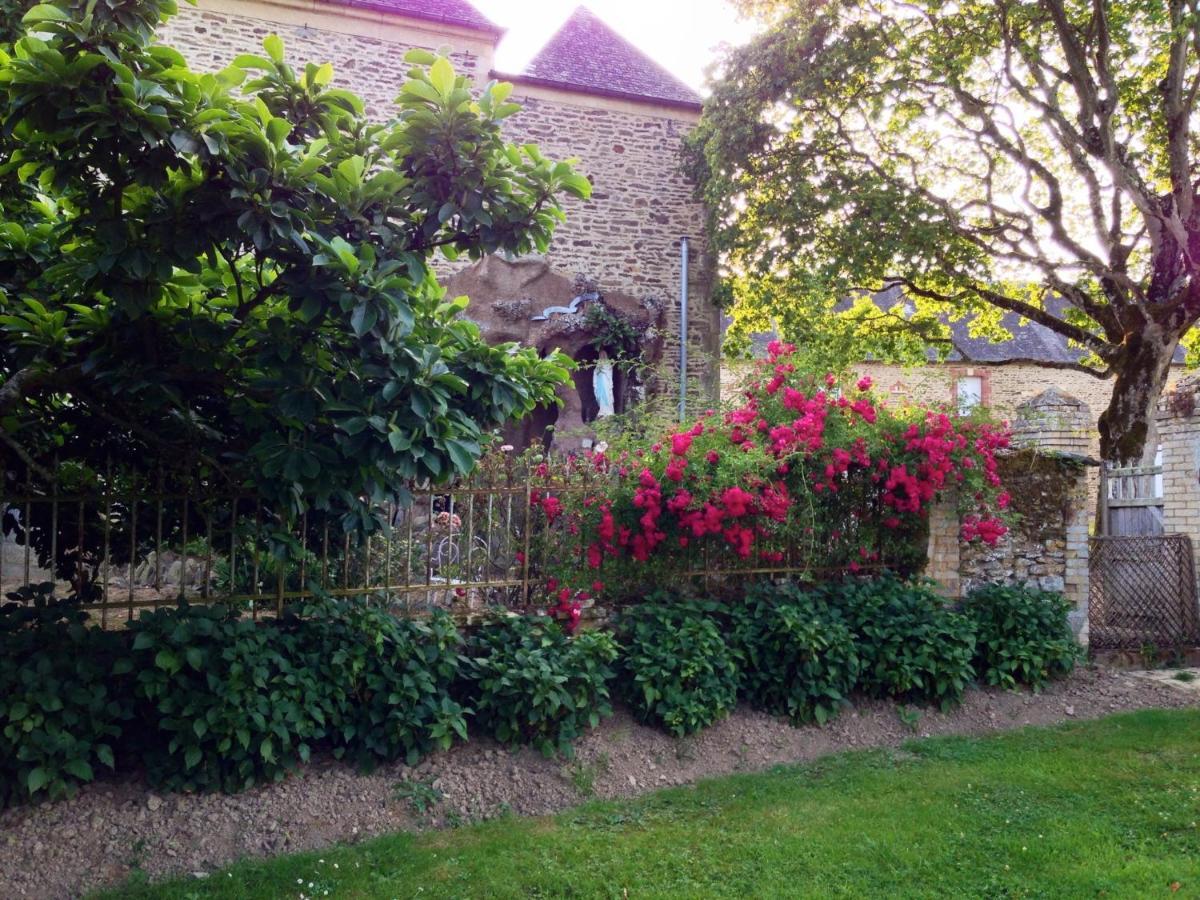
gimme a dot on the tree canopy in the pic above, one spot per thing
(231, 271)
(1028, 157)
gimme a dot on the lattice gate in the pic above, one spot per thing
(1143, 592)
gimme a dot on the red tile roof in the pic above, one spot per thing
(449, 12)
(586, 55)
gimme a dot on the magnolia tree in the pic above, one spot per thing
(1034, 157)
(806, 474)
(231, 271)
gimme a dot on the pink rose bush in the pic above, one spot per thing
(800, 475)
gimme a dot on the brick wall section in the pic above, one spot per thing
(1179, 434)
(945, 549)
(626, 237)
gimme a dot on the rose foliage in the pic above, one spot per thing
(805, 474)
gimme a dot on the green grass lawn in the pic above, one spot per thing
(1092, 809)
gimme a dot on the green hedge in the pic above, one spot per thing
(229, 701)
(1022, 635)
(531, 683)
(676, 668)
(64, 697)
(798, 658)
(206, 698)
(385, 684)
(913, 646)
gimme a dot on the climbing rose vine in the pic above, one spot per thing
(803, 474)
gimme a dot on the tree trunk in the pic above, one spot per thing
(1128, 423)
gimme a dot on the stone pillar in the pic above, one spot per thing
(1057, 423)
(1076, 583)
(943, 558)
(1054, 421)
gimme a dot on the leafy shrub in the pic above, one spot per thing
(384, 683)
(913, 646)
(532, 683)
(228, 701)
(62, 698)
(797, 658)
(678, 671)
(805, 467)
(1023, 636)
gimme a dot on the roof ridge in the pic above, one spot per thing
(450, 12)
(586, 53)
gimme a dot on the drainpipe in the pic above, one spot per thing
(683, 326)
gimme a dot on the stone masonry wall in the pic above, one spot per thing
(626, 237)
(371, 66)
(1047, 545)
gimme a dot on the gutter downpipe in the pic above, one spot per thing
(683, 326)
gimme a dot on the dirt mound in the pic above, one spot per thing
(112, 828)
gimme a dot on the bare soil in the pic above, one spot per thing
(111, 829)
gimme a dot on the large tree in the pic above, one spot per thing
(1035, 157)
(230, 272)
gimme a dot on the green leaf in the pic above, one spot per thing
(45, 12)
(421, 89)
(324, 74)
(420, 57)
(441, 76)
(363, 319)
(274, 47)
(80, 768)
(37, 780)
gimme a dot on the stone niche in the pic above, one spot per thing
(528, 302)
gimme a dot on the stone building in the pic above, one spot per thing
(587, 94)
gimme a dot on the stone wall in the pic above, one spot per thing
(626, 237)
(1046, 546)
(1048, 477)
(365, 47)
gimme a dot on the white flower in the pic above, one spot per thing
(506, 448)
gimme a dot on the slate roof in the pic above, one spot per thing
(586, 55)
(1029, 339)
(449, 12)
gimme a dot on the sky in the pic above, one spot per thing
(681, 35)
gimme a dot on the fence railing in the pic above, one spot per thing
(125, 544)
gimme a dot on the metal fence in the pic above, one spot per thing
(124, 543)
(1143, 593)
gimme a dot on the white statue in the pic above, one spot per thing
(602, 385)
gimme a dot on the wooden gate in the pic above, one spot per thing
(1131, 500)
(1143, 592)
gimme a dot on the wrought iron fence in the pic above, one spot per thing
(124, 543)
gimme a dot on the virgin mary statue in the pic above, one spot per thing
(602, 385)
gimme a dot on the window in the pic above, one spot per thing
(969, 393)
